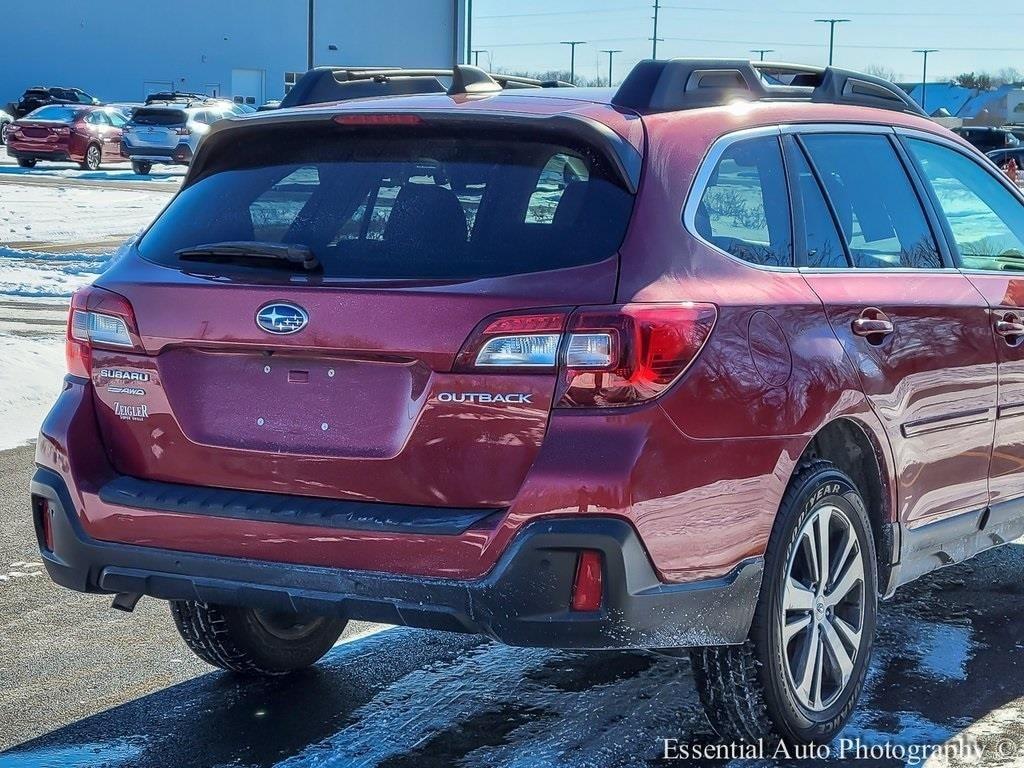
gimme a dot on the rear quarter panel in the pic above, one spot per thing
(769, 378)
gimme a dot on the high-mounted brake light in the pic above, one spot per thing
(377, 119)
(98, 318)
(605, 356)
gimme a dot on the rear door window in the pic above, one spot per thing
(985, 218)
(744, 208)
(418, 206)
(881, 218)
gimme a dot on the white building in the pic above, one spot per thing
(247, 49)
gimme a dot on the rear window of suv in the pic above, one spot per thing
(163, 117)
(406, 207)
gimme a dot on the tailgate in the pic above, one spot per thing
(346, 380)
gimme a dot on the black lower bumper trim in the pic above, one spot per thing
(524, 600)
(297, 510)
(31, 154)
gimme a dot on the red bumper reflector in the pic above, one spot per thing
(588, 587)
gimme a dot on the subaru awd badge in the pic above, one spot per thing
(282, 319)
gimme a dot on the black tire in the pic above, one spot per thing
(141, 167)
(4, 128)
(746, 689)
(253, 642)
(93, 158)
(26, 163)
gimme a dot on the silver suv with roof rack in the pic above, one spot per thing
(169, 133)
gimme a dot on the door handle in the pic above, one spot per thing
(1010, 327)
(873, 325)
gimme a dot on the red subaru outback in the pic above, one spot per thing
(715, 361)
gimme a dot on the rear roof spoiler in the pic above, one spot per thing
(624, 159)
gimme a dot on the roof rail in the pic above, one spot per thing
(677, 84)
(463, 74)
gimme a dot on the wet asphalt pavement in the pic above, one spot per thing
(82, 685)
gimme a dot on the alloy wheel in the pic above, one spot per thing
(92, 158)
(822, 616)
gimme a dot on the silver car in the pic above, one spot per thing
(168, 133)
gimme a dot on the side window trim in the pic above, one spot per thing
(912, 180)
(798, 146)
(902, 136)
(700, 181)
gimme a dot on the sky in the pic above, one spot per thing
(525, 34)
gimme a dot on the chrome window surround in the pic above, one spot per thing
(714, 154)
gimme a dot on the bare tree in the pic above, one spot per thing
(886, 73)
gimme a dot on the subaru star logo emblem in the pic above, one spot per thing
(282, 318)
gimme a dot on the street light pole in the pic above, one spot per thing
(476, 55)
(654, 40)
(831, 34)
(611, 52)
(762, 51)
(572, 57)
(924, 75)
(309, 35)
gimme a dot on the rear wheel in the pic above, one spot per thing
(26, 163)
(93, 157)
(141, 167)
(800, 672)
(254, 641)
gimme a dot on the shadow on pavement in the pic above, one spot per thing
(946, 665)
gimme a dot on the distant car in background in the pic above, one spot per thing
(986, 138)
(169, 132)
(86, 135)
(5, 123)
(39, 96)
(1002, 156)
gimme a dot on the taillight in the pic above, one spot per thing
(605, 356)
(527, 340)
(98, 318)
(183, 130)
(630, 353)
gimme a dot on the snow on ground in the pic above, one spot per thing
(36, 284)
(47, 275)
(39, 213)
(31, 370)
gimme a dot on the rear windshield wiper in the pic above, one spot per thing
(241, 250)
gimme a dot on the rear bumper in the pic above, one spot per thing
(524, 600)
(179, 155)
(26, 153)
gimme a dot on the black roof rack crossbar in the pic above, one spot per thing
(462, 74)
(677, 84)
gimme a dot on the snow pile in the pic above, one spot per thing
(28, 273)
(30, 379)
